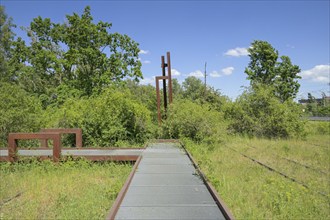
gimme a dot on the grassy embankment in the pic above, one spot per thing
(254, 192)
(68, 190)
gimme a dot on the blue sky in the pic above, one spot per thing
(216, 32)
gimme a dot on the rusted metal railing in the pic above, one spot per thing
(76, 131)
(14, 137)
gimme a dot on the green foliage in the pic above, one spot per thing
(78, 53)
(317, 108)
(105, 119)
(55, 97)
(258, 112)
(264, 69)
(286, 85)
(6, 39)
(143, 94)
(187, 119)
(19, 111)
(193, 89)
(176, 89)
(263, 58)
(318, 127)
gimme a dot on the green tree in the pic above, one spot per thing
(263, 58)
(177, 88)
(6, 41)
(193, 88)
(265, 69)
(79, 53)
(19, 111)
(286, 85)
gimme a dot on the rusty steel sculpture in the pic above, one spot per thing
(164, 77)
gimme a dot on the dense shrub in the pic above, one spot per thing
(258, 112)
(105, 119)
(19, 111)
(187, 119)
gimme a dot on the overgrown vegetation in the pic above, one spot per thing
(19, 111)
(82, 86)
(44, 84)
(187, 119)
(74, 189)
(259, 113)
(254, 192)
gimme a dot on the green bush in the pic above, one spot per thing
(106, 119)
(259, 113)
(187, 119)
(19, 111)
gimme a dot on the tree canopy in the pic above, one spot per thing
(265, 69)
(6, 41)
(79, 53)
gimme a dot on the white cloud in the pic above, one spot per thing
(146, 61)
(237, 52)
(174, 72)
(197, 74)
(319, 73)
(144, 52)
(147, 81)
(227, 71)
(224, 72)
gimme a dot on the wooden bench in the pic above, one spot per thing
(55, 136)
(76, 131)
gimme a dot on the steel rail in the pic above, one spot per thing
(296, 162)
(280, 173)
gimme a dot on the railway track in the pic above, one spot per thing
(305, 185)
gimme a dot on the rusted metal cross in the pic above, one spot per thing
(164, 78)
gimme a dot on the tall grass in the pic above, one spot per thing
(68, 190)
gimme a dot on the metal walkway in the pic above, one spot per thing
(167, 186)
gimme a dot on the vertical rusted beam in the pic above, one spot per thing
(79, 138)
(164, 82)
(158, 102)
(12, 147)
(169, 78)
(56, 148)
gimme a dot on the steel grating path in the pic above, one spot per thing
(166, 186)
